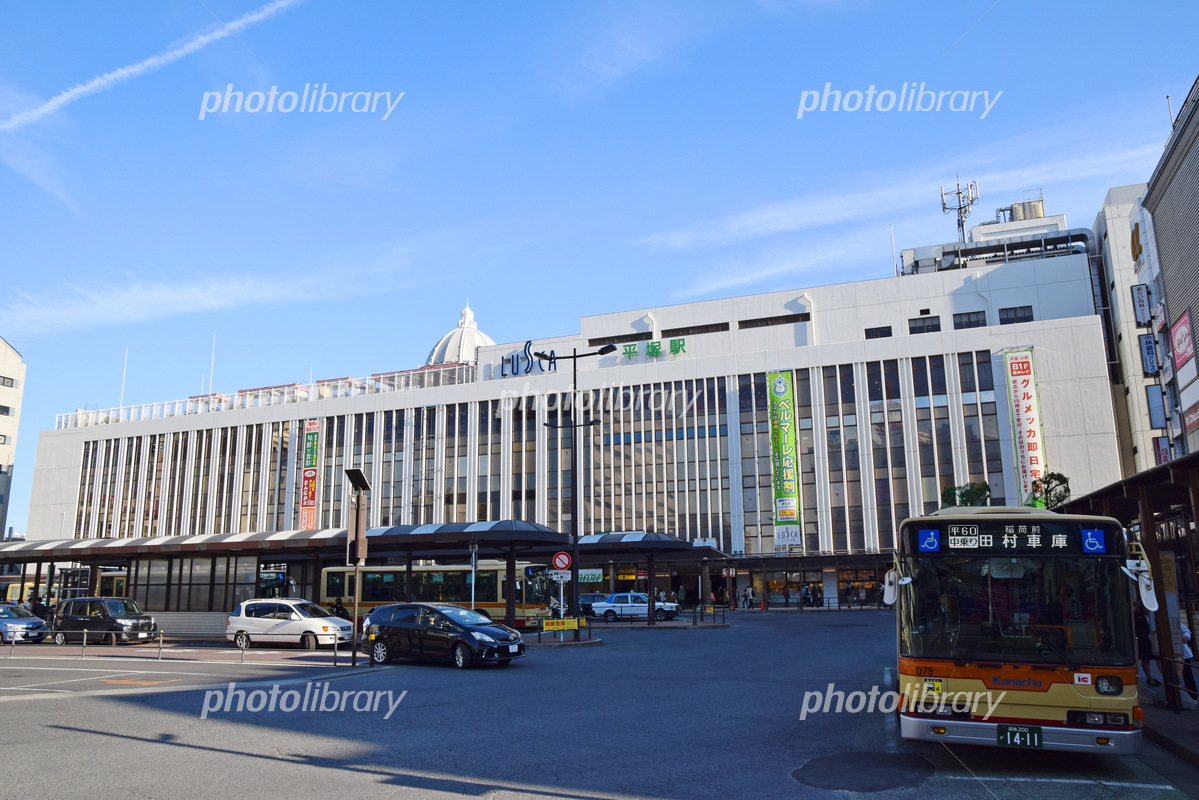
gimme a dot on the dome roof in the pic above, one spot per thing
(461, 345)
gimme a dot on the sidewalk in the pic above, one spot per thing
(1176, 732)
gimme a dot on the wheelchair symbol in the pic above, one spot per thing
(930, 540)
(1091, 542)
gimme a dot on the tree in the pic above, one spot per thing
(977, 493)
(1052, 490)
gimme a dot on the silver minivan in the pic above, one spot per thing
(286, 620)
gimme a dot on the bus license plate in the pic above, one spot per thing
(1019, 736)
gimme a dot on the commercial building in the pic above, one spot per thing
(899, 393)
(1173, 204)
(12, 386)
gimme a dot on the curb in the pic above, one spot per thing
(592, 642)
(1188, 754)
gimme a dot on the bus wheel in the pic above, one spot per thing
(461, 656)
(308, 641)
(380, 653)
(60, 638)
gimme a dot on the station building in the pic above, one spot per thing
(899, 393)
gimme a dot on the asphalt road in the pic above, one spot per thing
(651, 713)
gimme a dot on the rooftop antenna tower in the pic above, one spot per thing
(960, 203)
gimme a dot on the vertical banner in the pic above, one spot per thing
(1149, 364)
(1181, 341)
(312, 432)
(1140, 305)
(1026, 421)
(1161, 449)
(787, 529)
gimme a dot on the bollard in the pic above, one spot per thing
(83, 649)
(159, 644)
(335, 649)
(243, 654)
(12, 643)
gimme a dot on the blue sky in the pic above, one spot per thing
(547, 160)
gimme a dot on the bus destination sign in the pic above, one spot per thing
(1014, 539)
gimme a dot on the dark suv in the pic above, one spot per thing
(106, 619)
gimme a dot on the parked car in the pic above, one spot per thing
(19, 625)
(439, 632)
(587, 601)
(106, 619)
(633, 605)
(286, 620)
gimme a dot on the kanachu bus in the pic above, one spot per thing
(1032, 611)
(73, 584)
(445, 584)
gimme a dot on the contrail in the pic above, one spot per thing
(110, 79)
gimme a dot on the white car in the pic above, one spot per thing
(633, 605)
(277, 620)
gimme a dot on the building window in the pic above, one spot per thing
(626, 338)
(879, 333)
(5, 381)
(4, 411)
(3, 440)
(971, 319)
(763, 322)
(692, 330)
(924, 325)
(1010, 316)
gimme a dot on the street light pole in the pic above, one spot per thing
(360, 484)
(575, 427)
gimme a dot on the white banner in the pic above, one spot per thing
(1140, 304)
(1026, 420)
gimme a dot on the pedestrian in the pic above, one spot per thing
(1188, 678)
(862, 597)
(37, 608)
(1144, 644)
(682, 595)
(749, 597)
(805, 595)
(339, 610)
(786, 597)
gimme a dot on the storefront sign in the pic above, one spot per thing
(655, 350)
(1149, 361)
(1026, 420)
(1140, 305)
(1161, 449)
(312, 433)
(1181, 341)
(1190, 419)
(783, 460)
(591, 575)
(526, 362)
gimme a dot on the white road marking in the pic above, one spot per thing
(1120, 784)
(890, 725)
(67, 680)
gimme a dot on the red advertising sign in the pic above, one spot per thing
(1181, 341)
(1161, 449)
(1190, 418)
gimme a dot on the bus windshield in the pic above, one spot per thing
(1027, 609)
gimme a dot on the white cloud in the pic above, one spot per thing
(108, 80)
(899, 194)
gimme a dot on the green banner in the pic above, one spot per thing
(782, 456)
(310, 442)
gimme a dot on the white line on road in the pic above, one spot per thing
(67, 680)
(1120, 784)
(890, 726)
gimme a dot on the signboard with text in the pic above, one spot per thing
(312, 434)
(781, 398)
(1161, 449)
(1140, 305)
(1180, 340)
(1026, 420)
(1149, 363)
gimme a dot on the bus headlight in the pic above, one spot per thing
(1109, 684)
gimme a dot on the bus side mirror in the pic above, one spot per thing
(891, 586)
(1138, 571)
